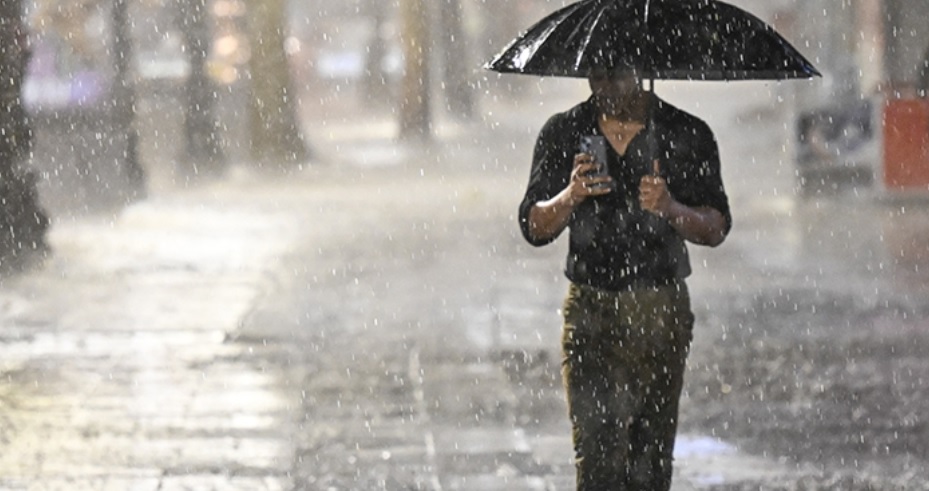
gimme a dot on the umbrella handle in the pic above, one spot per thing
(651, 138)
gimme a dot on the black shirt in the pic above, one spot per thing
(614, 244)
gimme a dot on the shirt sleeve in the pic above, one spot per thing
(552, 161)
(702, 183)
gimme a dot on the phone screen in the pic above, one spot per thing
(596, 147)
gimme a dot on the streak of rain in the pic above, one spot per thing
(275, 245)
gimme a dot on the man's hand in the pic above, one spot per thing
(584, 183)
(547, 219)
(700, 225)
(653, 193)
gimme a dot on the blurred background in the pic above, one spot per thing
(107, 82)
(335, 181)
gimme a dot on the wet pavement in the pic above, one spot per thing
(373, 321)
(116, 370)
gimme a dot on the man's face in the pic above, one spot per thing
(615, 89)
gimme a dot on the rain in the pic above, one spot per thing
(276, 245)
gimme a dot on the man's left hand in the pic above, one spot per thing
(654, 196)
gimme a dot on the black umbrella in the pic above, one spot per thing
(663, 39)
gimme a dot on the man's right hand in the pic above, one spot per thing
(547, 219)
(585, 181)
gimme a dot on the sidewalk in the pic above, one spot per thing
(372, 321)
(116, 370)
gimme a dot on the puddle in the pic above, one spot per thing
(690, 446)
(705, 462)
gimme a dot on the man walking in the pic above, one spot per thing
(627, 316)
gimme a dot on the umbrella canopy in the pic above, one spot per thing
(663, 39)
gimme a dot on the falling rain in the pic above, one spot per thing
(276, 245)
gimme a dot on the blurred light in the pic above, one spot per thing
(224, 73)
(229, 8)
(292, 45)
(227, 46)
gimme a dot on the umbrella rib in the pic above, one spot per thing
(547, 32)
(587, 38)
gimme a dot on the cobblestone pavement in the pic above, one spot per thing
(368, 322)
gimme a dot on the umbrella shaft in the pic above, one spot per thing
(650, 135)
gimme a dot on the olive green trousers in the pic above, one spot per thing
(624, 355)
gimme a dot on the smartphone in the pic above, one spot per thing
(595, 146)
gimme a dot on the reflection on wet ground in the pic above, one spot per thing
(117, 371)
(688, 446)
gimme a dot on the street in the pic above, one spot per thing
(373, 320)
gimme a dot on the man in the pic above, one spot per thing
(627, 317)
